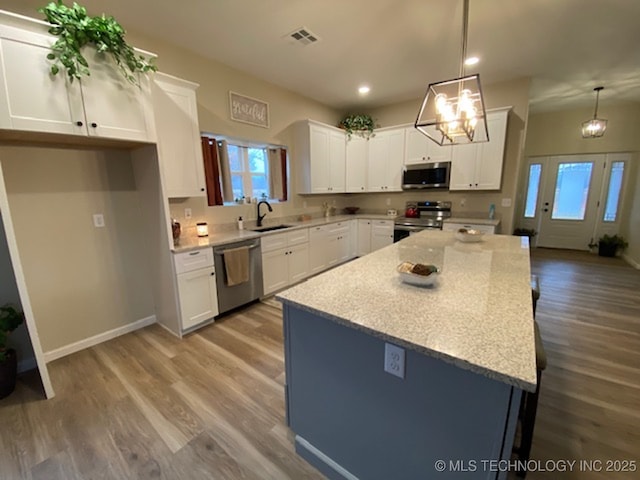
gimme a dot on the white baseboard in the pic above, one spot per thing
(631, 261)
(96, 339)
(27, 364)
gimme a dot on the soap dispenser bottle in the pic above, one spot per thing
(240, 223)
(492, 211)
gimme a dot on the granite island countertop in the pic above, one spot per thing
(478, 316)
(215, 239)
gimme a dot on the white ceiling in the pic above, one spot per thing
(397, 47)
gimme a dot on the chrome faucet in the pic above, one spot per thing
(260, 217)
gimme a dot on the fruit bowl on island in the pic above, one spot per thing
(418, 273)
(469, 235)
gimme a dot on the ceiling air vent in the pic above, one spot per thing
(303, 36)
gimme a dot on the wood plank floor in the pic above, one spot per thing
(589, 405)
(146, 405)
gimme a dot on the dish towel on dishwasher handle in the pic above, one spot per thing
(236, 265)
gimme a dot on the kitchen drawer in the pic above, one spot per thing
(190, 261)
(339, 227)
(273, 242)
(297, 237)
(316, 233)
(382, 223)
(453, 227)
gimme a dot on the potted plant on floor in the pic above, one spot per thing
(10, 319)
(609, 245)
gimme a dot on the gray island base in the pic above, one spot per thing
(453, 413)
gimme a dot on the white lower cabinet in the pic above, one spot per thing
(198, 296)
(338, 243)
(285, 259)
(364, 237)
(319, 249)
(381, 234)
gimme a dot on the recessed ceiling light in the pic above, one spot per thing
(471, 61)
(363, 90)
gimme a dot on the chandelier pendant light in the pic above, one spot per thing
(453, 111)
(595, 127)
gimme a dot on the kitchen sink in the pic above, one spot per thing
(271, 228)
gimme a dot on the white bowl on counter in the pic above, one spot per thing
(420, 280)
(469, 235)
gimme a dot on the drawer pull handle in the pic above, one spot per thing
(194, 253)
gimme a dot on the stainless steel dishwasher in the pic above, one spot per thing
(237, 295)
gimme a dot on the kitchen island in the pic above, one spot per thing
(467, 352)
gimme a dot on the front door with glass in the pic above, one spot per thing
(573, 197)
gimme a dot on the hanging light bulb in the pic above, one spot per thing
(595, 127)
(453, 110)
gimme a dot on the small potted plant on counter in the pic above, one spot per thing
(609, 245)
(10, 319)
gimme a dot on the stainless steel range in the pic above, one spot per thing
(420, 216)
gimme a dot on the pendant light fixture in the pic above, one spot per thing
(453, 112)
(595, 127)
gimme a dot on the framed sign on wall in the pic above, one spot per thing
(248, 110)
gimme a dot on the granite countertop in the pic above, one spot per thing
(478, 316)
(224, 237)
(475, 220)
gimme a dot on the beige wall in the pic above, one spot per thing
(285, 108)
(558, 133)
(514, 94)
(82, 280)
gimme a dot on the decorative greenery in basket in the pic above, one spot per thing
(76, 29)
(358, 123)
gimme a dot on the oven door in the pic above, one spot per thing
(403, 231)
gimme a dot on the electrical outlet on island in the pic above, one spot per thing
(394, 360)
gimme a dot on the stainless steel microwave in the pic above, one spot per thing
(426, 175)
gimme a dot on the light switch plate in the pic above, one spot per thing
(506, 202)
(98, 220)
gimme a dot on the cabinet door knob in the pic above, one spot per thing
(94, 124)
(202, 189)
(213, 273)
(79, 123)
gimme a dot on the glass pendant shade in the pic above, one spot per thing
(595, 127)
(453, 112)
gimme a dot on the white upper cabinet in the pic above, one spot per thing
(113, 106)
(421, 149)
(321, 150)
(104, 104)
(356, 164)
(179, 146)
(386, 156)
(478, 166)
